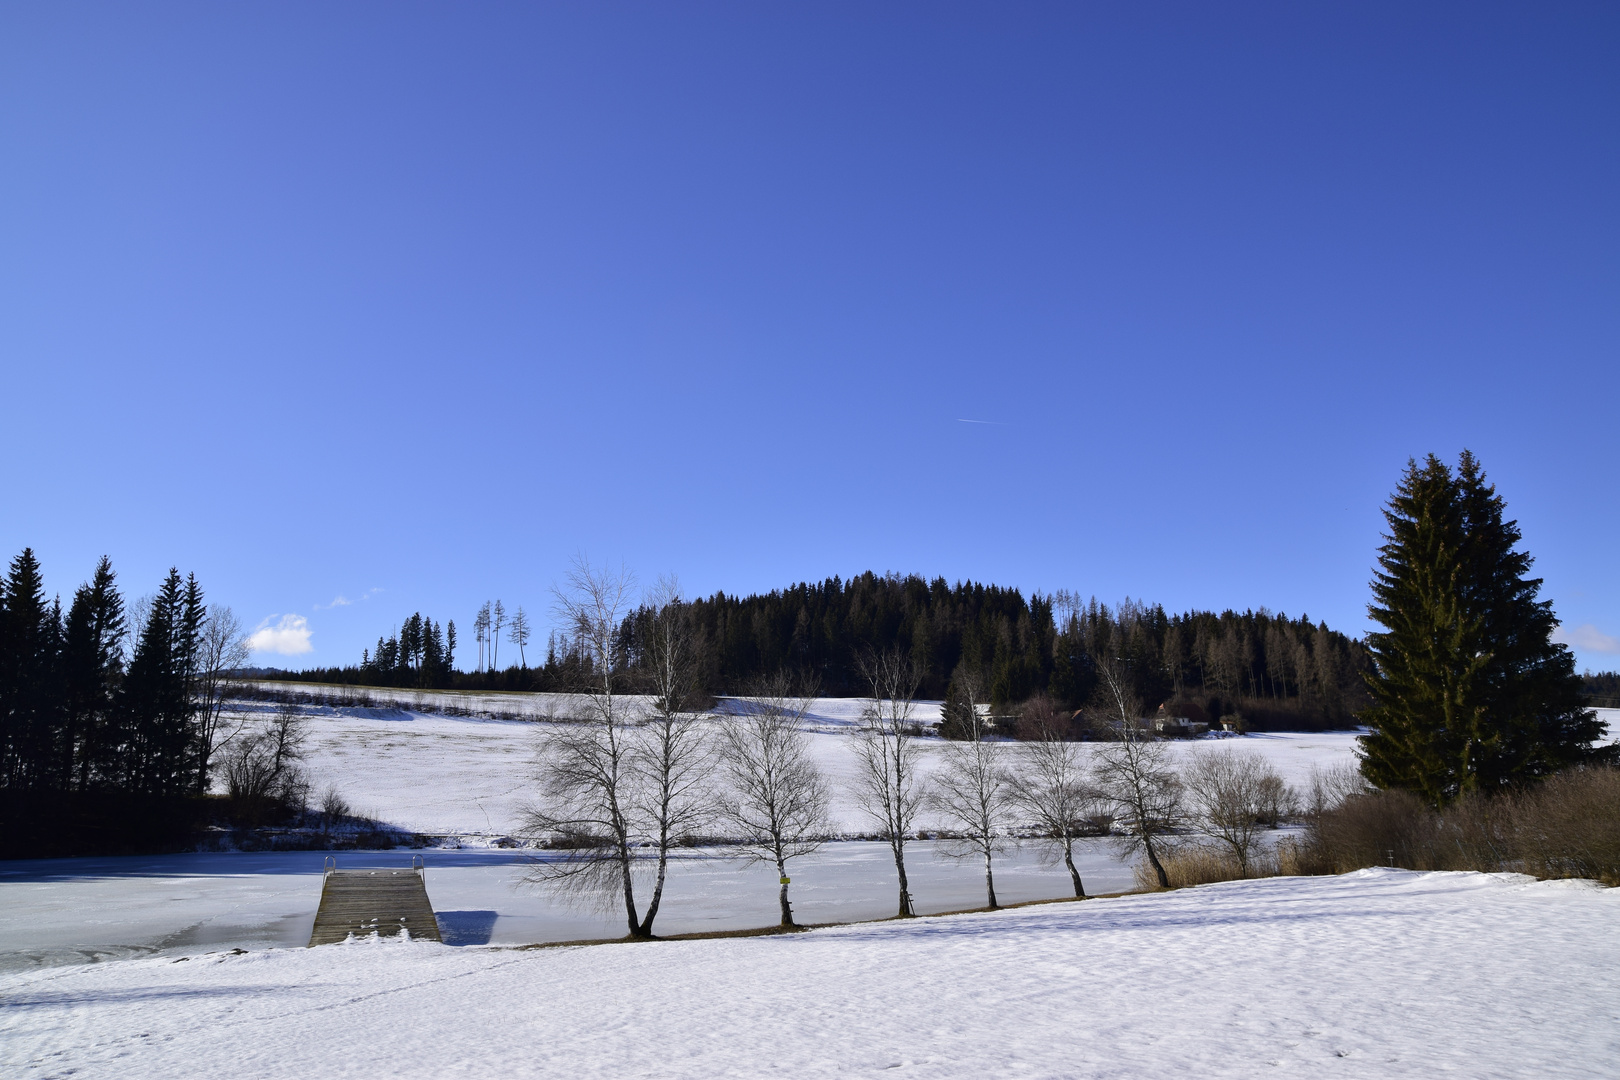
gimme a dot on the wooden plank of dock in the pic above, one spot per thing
(359, 902)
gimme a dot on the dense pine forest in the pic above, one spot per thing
(1601, 689)
(110, 714)
(1275, 671)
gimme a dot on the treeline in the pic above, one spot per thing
(421, 655)
(75, 715)
(1274, 670)
(83, 714)
(1602, 689)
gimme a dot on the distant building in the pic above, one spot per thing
(1168, 724)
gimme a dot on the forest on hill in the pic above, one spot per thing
(1275, 671)
(1601, 689)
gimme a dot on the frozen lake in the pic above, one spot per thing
(69, 911)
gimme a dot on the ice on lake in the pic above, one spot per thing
(67, 911)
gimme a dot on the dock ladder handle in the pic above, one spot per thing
(329, 865)
(420, 867)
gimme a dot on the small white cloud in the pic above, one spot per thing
(1587, 638)
(289, 637)
(337, 601)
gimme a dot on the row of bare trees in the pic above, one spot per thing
(990, 793)
(645, 770)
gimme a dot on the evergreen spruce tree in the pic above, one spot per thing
(1469, 690)
(188, 661)
(432, 654)
(29, 673)
(959, 717)
(93, 668)
(156, 709)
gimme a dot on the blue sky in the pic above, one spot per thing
(358, 310)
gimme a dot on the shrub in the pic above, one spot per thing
(1570, 826)
(1567, 826)
(1378, 828)
(334, 809)
(1297, 856)
(1204, 864)
(263, 778)
(1232, 795)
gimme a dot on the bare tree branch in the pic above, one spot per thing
(888, 787)
(971, 790)
(1053, 788)
(670, 756)
(222, 649)
(1233, 795)
(587, 780)
(776, 801)
(1133, 770)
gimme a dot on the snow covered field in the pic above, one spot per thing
(470, 777)
(1381, 973)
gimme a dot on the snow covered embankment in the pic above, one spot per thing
(1381, 973)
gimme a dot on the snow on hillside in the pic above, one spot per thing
(1381, 973)
(456, 775)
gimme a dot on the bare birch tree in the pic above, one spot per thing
(887, 784)
(776, 799)
(222, 648)
(971, 790)
(1053, 788)
(587, 777)
(671, 757)
(1133, 771)
(1231, 794)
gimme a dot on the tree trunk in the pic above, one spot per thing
(629, 890)
(1158, 867)
(900, 868)
(1068, 860)
(787, 909)
(658, 891)
(989, 881)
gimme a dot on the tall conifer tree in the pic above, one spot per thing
(1470, 691)
(29, 655)
(93, 668)
(157, 709)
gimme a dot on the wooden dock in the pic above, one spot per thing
(361, 902)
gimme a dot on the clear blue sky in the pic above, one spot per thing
(406, 304)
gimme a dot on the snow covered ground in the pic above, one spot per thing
(1381, 973)
(448, 775)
